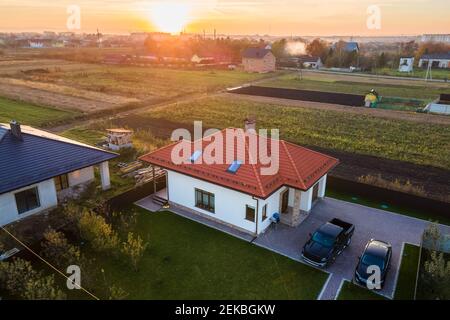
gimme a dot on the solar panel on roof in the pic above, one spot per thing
(195, 156)
(234, 166)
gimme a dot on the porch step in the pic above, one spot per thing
(159, 200)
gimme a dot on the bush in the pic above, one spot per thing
(436, 276)
(134, 249)
(21, 280)
(95, 230)
(59, 251)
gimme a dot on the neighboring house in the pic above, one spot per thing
(406, 64)
(258, 60)
(238, 194)
(202, 60)
(351, 47)
(310, 62)
(38, 169)
(435, 60)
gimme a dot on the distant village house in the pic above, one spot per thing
(258, 60)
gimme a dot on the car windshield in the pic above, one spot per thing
(323, 239)
(370, 260)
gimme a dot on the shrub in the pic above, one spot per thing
(117, 293)
(59, 251)
(437, 275)
(95, 229)
(134, 249)
(20, 279)
(397, 185)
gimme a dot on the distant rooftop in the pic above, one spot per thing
(255, 53)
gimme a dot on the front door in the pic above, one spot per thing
(285, 201)
(315, 193)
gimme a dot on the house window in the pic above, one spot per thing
(250, 213)
(27, 200)
(61, 182)
(264, 212)
(204, 200)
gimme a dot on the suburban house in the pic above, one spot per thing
(406, 64)
(259, 60)
(351, 47)
(39, 169)
(236, 193)
(310, 62)
(435, 60)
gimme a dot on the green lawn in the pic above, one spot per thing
(330, 84)
(420, 143)
(187, 260)
(417, 73)
(408, 272)
(30, 114)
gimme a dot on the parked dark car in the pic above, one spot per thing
(376, 253)
(328, 242)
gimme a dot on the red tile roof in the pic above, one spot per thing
(299, 167)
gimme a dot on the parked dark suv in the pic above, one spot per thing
(376, 253)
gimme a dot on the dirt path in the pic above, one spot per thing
(381, 113)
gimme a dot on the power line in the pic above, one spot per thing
(48, 263)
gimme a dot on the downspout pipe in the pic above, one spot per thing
(257, 216)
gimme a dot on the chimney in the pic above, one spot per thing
(250, 124)
(15, 129)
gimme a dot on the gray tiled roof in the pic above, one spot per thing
(37, 158)
(443, 55)
(255, 53)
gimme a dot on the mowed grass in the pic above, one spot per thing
(30, 114)
(406, 282)
(148, 82)
(359, 86)
(420, 143)
(187, 260)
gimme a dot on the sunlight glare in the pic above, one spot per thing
(170, 17)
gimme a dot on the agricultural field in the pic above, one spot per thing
(31, 114)
(419, 143)
(92, 88)
(359, 85)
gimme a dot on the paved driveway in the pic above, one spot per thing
(369, 223)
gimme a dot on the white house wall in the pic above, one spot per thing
(8, 207)
(81, 176)
(230, 205)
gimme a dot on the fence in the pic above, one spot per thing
(128, 197)
(436, 207)
(303, 95)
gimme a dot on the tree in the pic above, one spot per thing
(437, 275)
(134, 249)
(318, 48)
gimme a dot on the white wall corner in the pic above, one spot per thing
(104, 175)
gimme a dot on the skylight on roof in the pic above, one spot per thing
(234, 166)
(195, 156)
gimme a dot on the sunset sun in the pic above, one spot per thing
(169, 17)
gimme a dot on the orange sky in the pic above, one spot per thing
(282, 17)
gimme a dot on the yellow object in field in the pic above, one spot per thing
(371, 97)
